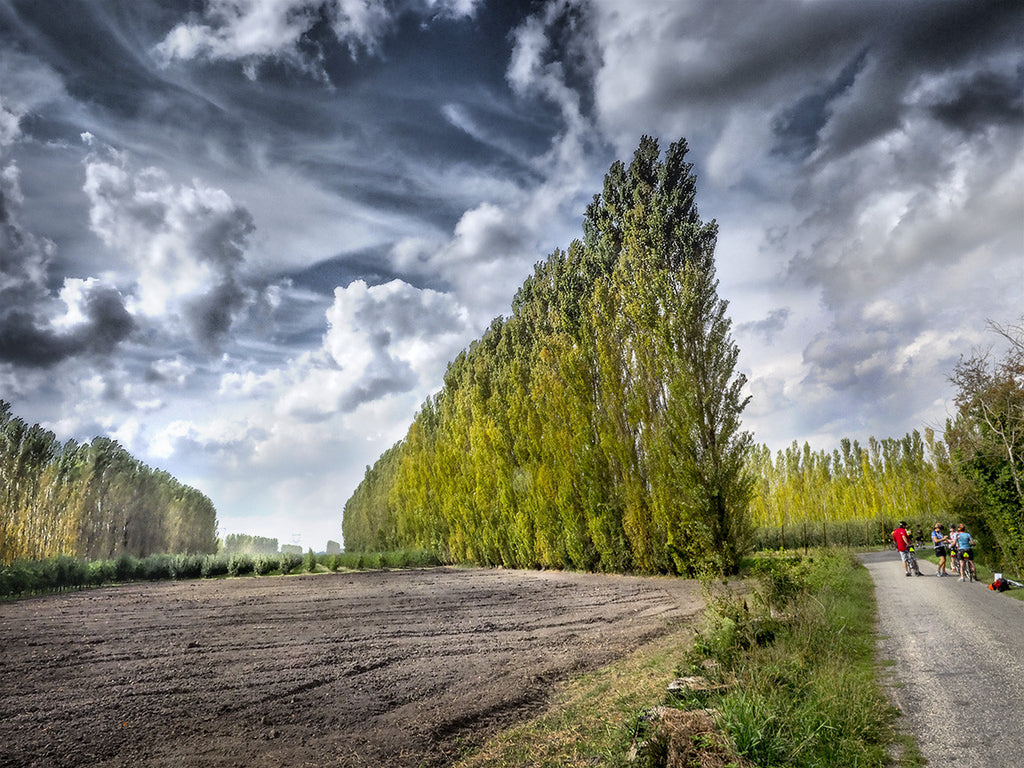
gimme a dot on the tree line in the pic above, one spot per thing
(973, 474)
(598, 426)
(888, 478)
(91, 500)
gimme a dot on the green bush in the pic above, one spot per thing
(240, 564)
(786, 702)
(60, 573)
(126, 568)
(157, 567)
(310, 562)
(100, 572)
(349, 560)
(264, 564)
(213, 566)
(781, 577)
(288, 562)
(18, 578)
(186, 567)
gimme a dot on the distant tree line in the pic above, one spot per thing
(91, 500)
(973, 475)
(252, 545)
(597, 427)
(890, 478)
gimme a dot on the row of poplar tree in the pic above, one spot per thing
(597, 427)
(889, 479)
(92, 500)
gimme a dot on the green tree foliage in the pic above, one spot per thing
(252, 545)
(890, 479)
(91, 500)
(597, 427)
(986, 445)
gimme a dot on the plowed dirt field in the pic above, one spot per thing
(400, 668)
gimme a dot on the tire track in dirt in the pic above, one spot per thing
(402, 668)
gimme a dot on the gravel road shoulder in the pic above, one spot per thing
(958, 663)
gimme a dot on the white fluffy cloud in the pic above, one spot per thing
(182, 246)
(381, 340)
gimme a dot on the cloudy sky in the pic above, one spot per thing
(244, 237)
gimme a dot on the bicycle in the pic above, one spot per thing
(912, 562)
(968, 572)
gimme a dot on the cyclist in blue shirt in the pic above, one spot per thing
(964, 548)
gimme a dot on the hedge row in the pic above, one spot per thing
(56, 574)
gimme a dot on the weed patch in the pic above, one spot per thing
(798, 666)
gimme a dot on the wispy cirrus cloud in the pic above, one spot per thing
(253, 31)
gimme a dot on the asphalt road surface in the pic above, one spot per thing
(958, 672)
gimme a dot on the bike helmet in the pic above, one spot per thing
(960, 527)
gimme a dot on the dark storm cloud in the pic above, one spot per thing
(24, 340)
(27, 336)
(185, 243)
(369, 265)
(211, 315)
(837, 74)
(798, 126)
(920, 39)
(984, 99)
(767, 328)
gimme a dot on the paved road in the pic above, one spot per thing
(962, 692)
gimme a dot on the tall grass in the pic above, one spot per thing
(798, 665)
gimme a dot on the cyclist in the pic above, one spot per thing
(965, 550)
(939, 541)
(901, 539)
(953, 559)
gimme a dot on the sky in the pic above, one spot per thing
(245, 237)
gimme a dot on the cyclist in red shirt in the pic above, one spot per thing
(901, 539)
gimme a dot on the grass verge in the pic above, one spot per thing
(789, 677)
(591, 720)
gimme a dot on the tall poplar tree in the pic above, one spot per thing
(599, 426)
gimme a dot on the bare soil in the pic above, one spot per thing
(400, 668)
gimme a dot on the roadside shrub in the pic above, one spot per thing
(310, 562)
(785, 701)
(264, 564)
(240, 564)
(782, 578)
